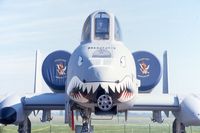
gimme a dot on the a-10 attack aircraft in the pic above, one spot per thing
(103, 77)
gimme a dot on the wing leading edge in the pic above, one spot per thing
(52, 101)
(153, 102)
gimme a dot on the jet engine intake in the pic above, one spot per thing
(54, 70)
(148, 70)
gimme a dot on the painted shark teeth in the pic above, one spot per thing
(94, 87)
(105, 87)
(118, 89)
(112, 87)
(88, 87)
(80, 87)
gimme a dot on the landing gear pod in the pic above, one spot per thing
(148, 70)
(54, 70)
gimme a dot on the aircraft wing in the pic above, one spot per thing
(153, 102)
(51, 101)
(48, 101)
(143, 102)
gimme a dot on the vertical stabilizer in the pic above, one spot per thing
(165, 74)
(38, 75)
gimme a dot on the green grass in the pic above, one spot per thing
(117, 125)
(99, 128)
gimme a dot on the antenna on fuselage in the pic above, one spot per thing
(165, 74)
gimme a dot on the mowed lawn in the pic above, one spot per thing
(134, 125)
(108, 128)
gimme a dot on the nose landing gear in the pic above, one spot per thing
(104, 103)
(86, 126)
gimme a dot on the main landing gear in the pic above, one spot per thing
(178, 127)
(86, 123)
(25, 126)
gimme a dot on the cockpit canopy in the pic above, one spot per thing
(101, 26)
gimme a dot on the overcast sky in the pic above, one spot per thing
(48, 25)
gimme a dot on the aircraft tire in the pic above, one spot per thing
(78, 129)
(25, 127)
(178, 127)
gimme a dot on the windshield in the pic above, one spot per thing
(102, 26)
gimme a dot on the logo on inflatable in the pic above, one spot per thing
(144, 67)
(60, 68)
(148, 70)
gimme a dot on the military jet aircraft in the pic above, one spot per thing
(102, 77)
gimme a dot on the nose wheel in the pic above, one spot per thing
(104, 102)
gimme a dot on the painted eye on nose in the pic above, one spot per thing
(123, 61)
(80, 61)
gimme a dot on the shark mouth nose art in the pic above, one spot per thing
(90, 91)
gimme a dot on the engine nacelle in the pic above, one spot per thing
(148, 70)
(189, 113)
(54, 70)
(11, 110)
